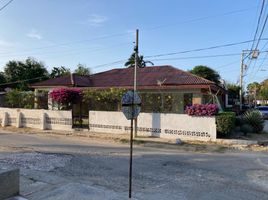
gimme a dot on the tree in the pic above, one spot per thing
(207, 73)
(2, 80)
(82, 70)
(233, 92)
(263, 92)
(59, 71)
(22, 73)
(253, 90)
(141, 63)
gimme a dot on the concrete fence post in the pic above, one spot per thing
(19, 116)
(213, 130)
(4, 119)
(43, 120)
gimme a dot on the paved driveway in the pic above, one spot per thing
(57, 168)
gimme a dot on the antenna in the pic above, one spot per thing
(159, 82)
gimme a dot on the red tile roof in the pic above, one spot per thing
(166, 76)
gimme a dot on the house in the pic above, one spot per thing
(167, 87)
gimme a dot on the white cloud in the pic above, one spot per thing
(35, 35)
(95, 20)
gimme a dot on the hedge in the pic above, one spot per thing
(225, 122)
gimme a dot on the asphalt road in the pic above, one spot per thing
(58, 167)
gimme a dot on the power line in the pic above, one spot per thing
(74, 42)
(20, 81)
(199, 19)
(258, 24)
(4, 6)
(196, 57)
(201, 49)
(261, 32)
(70, 51)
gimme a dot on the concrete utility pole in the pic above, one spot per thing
(136, 49)
(254, 55)
(241, 80)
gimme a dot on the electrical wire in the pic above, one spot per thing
(201, 49)
(199, 19)
(74, 42)
(197, 57)
(4, 6)
(258, 24)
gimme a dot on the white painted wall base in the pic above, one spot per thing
(170, 126)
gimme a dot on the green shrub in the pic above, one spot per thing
(225, 122)
(246, 128)
(20, 99)
(239, 121)
(254, 118)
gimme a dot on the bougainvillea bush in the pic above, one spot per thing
(202, 110)
(66, 96)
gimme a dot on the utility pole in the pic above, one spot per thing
(241, 80)
(254, 55)
(136, 49)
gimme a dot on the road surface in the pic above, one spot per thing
(62, 167)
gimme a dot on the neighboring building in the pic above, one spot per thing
(176, 88)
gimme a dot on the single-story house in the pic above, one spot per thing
(164, 82)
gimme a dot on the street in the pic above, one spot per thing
(55, 167)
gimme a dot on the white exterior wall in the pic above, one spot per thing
(11, 116)
(36, 118)
(58, 119)
(170, 126)
(30, 118)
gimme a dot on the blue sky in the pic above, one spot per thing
(96, 32)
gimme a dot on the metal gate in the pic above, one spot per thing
(80, 116)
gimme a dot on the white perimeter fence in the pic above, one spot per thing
(40, 119)
(170, 126)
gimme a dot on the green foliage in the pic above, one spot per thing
(254, 118)
(25, 72)
(141, 63)
(263, 92)
(108, 99)
(82, 70)
(253, 87)
(225, 122)
(233, 91)
(19, 99)
(59, 71)
(207, 73)
(2, 78)
(246, 128)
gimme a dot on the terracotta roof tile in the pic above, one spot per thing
(148, 76)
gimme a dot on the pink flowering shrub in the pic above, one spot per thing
(202, 110)
(66, 96)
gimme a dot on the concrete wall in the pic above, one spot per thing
(34, 118)
(170, 126)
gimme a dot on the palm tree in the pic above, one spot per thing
(141, 63)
